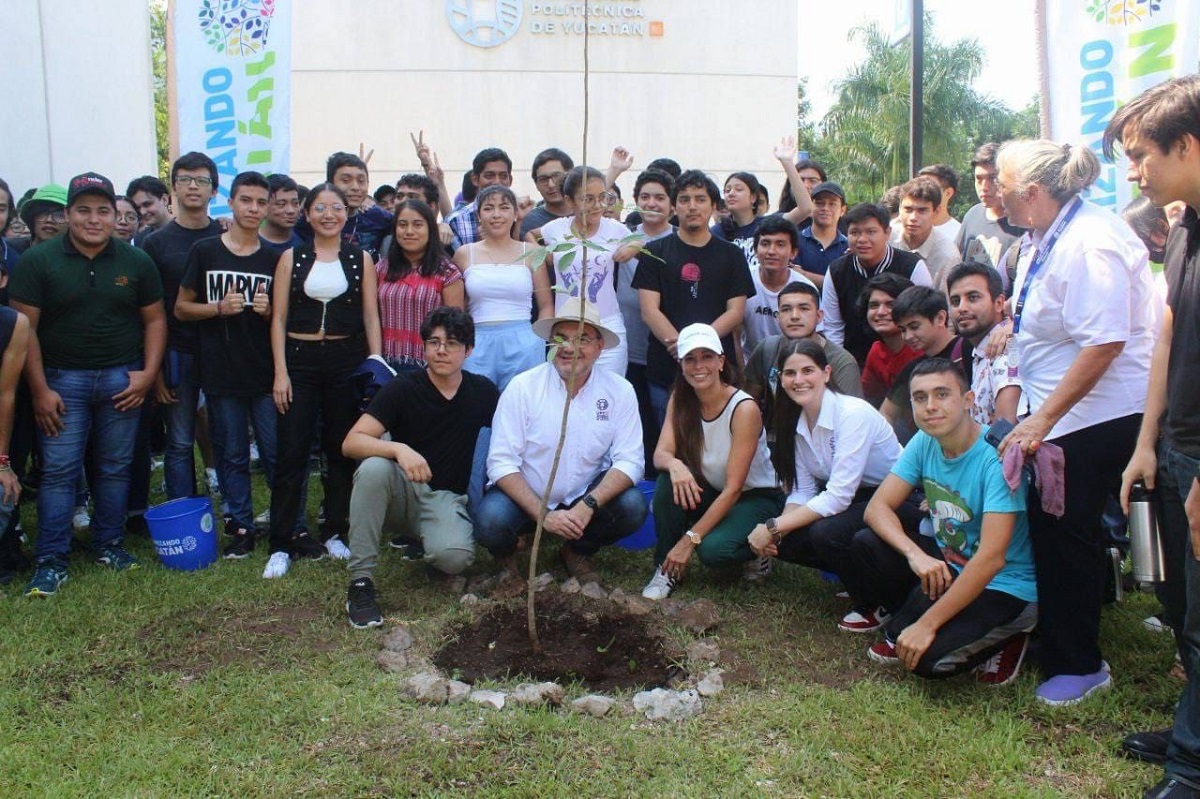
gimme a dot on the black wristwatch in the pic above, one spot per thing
(590, 501)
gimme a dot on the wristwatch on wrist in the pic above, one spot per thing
(776, 536)
(694, 537)
(590, 501)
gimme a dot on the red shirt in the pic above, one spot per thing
(882, 368)
(404, 304)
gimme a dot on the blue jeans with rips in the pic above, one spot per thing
(87, 395)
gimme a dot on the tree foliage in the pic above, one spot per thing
(158, 62)
(863, 139)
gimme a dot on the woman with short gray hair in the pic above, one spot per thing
(1084, 316)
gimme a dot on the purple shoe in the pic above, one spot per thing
(1069, 689)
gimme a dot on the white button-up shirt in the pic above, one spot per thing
(1094, 288)
(851, 445)
(604, 431)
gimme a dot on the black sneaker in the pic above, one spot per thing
(305, 546)
(136, 525)
(242, 543)
(360, 604)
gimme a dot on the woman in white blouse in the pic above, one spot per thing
(831, 452)
(1084, 317)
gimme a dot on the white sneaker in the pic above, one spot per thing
(756, 570)
(263, 519)
(337, 549)
(659, 587)
(81, 520)
(277, 566)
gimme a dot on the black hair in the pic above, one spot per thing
(12, 206)
(942, 173)
(889, 283)
(496, 188)
(695, 179)
(310, 199)
(969, 268)
(985, 154)
(339, 160)
(670, 166)
(924, 301)
(468, 188)
(302, 192)
(548, 155)
(485, 157)
(381, 193)
(939, 366)
(457, 323)
(149, 184)
(249, 178)
(575, 181)
(764, 196)
(1164, 114)
(787, 412)
(432, 260)
(808, 163)
(798, 287)
(864, 211)
(195, 160)
(423, 183)
(280, 182)
(615, 189)
(777, 223)
(653, 176)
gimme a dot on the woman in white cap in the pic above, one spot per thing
(716, 482)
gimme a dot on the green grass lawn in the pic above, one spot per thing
(218, 683)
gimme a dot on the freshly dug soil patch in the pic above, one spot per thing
(602, 649)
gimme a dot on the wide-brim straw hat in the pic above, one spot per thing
(570, 312)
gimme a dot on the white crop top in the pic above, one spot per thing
(326, 280)
(498, 292)
(718, 439)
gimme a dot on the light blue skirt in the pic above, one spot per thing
(505, 349)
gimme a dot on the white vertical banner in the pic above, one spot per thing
(1100, 54)
(232, 69)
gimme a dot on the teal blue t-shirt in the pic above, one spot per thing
(960, 490)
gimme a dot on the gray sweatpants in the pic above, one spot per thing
(384, 500)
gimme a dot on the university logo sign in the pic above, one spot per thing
(484, 23)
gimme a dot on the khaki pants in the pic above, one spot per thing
(385, 501)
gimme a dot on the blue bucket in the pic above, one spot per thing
(183, 533)
(644, 537)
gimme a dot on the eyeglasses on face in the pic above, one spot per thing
(446, 345)
(575, 341)
(193, 180)
(321, 208)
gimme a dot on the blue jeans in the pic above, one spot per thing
(1176, 473)
(499, 520)
(229, 420)
(87, 395)
(659, 397)
(179, 459)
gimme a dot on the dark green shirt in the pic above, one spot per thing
(91, 308)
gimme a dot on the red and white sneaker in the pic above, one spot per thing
(859, 621)
(884, 652)
(1004, 666)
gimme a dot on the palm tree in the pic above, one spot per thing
(865, 134)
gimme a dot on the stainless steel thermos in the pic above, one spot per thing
(1145, 541)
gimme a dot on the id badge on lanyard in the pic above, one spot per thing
(1039, 260)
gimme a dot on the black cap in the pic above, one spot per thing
(828, 187)
(90, 183)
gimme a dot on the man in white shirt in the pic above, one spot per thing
(775, 245)
(595, 500)
(916, 232)
(947, 180)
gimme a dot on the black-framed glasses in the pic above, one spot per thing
(546, 180)
(193, 180)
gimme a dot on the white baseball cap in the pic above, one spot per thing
(696, 337)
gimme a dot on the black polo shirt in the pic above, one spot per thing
(90, 308)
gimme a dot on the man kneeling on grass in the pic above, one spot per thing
(971, 593)
(415, 484)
